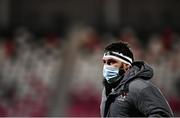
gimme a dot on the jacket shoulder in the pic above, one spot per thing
(138, 85)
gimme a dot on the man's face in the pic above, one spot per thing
(115, 63)
(112, 62)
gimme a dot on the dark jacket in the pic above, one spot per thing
(135, 95)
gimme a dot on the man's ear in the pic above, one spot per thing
(126, 66)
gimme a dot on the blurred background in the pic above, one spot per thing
(51, 50)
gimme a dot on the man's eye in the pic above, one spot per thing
(111, 62)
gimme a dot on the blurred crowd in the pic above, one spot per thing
(31, 65)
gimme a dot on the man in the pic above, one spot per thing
(127, 89)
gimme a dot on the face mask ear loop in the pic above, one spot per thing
(121, 71)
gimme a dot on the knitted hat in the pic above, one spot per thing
(119, 51)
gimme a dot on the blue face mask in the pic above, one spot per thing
(112, 74)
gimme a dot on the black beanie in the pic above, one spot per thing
(119, 50)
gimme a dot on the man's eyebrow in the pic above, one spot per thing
(111, 59)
